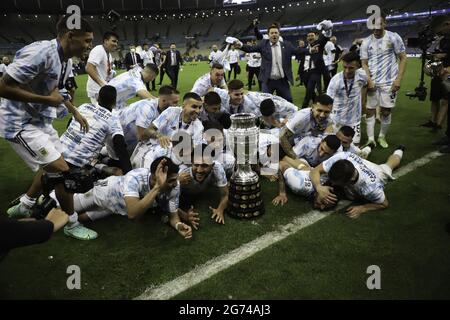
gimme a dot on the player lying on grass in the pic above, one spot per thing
(204, 173)
(361, 180)
(315, 150)
(134, 194)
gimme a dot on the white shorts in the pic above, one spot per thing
(382, 96)
(87, 202)
(383, 171)
(356, 128)
(37, 146)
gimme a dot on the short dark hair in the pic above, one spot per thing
(274, 25)
(62, 29)
(172, 168)
(152, 67)
(235, 84)
(332, 142)
(108, 34)
(267, 107)
(167, 90)
(212, 99)
(145, 44)
(192, 95)
(225, 120)
(347, 131)
(217, 66)
(341, 172)
(107, 96)
(324, 99)
(350, 57)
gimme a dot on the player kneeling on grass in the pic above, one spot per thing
(203, 174)
(134, 194)
(346, 134)
(360, 180)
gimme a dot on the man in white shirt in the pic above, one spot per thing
(99, 65)
(148, 56)
(254, 66)
(214, 79)
(5, 63)
(233, 58)
(215, 56)
(383, 58)
(328, 59)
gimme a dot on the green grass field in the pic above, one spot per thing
(327, 260)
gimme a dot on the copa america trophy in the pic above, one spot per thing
(245, 190)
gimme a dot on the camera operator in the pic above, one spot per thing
(440, 25)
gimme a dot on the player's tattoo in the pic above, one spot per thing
(285, 135)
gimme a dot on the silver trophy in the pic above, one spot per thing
(245, 191)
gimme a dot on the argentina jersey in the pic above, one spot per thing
(382, 56)
(303, 124)
(346, 94)
(217, 178)
(81, 148)
(300, 183)
(203, 84)
(283, 108)
(39, 67)
(138, 114)
(369, 186)
(127, 85)
(308, 149)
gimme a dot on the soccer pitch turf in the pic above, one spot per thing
(327, 260)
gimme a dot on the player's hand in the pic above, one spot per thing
(84, 125)
(237, 44)
(184, 230)
(161, 174)
(395, 85)
(193, 218)
(217, 215)
(271, 178)
(280, 199)
(326, 195)
(354, 212)
(164, 141)
(184, 178)
(314, 49)
(55, 98)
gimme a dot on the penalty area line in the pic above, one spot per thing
(203, 272)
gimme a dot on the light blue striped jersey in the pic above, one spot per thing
(127, 85)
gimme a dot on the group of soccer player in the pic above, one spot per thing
(313, 151)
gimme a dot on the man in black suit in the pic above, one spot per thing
(314, 67)
(132, 59)
(172, 63)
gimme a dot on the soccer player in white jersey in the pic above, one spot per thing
(235, 100)
(214, 79)
(99, 65)
(359, 179)
(138, 116)
(169, 127)
(379, 53)
(134, 194)
(254, 66)
(273, 110)
(347, 88)
(308, 121)
(216, 56)
(30, 93)
(204, 173)
(80, 148)
(315, 150)
(346, 135)
(133, 83)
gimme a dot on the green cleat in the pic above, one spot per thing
(18, 211)
(78, 231)
(383, 143)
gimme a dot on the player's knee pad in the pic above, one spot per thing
(79, 180)
(386, 118)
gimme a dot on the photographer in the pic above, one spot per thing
(440, 26)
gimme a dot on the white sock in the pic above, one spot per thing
(27, 201)
(385, 123)
(73, 218)
(370, 125)
(399, 153)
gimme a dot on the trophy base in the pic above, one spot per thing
(245, 200)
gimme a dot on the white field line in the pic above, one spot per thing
(214, 266)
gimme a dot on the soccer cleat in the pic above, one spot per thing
(442, 142)
(401, 147)
(19, 211)
(383, 143)
(78, 231)
(370, 143)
